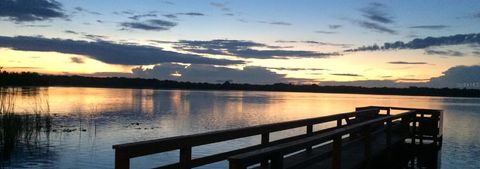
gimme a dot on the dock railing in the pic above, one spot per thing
(125, 152)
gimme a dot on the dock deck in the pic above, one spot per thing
(358, 140)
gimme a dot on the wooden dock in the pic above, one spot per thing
(358, 140)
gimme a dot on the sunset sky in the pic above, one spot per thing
(248, 41)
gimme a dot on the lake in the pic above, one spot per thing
(84, 123)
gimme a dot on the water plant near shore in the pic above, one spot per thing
(21, 128)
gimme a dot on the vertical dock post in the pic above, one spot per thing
(185, 157)
(265, 140)
(121, 160)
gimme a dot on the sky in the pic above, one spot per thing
(394, 43)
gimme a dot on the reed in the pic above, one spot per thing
(21, 128)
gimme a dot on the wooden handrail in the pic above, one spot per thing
(124, 152)
(246, 159)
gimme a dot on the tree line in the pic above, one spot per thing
(32, 79)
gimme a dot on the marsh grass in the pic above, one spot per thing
(21, 128)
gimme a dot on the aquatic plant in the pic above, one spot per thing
(21, 128)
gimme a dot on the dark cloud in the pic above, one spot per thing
(139, 16)
(208, 73)
(375, 27)
(444, 52)
(315, 43)
(377, 16)
(286, 41)
(80, 9)
(334, 26)
(362, 83)
(36, 26)
(244, 49)
(377, 12)
(326, 43)
(407, 63)
(325, 32)
(108, 52)
(420, 43)
(296, 69)
(94, 37)
(30, 10)
(77, 60)
(192, 14)
(477, 53)
(171, 16)
(280, 23)
(150, 25)
(87, 36)
(109, 74)
(70, 32)
(346, 74)
(433, 27)
(411, 80)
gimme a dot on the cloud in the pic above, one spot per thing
(208, 73)
(325, 32)
(281, 23)
(221, 6)
(175, 15)
(77, 60)
(458, 77)
(36, 26)
(444, 53)
(375, 27)
(87, 36)
(109, 74)
(296, 69)
(326, 43)
(80, 9)
(420, 43)
(171, 16)
(192, 14)
(28, 10)
(362, 83)
(334, 26)
(377, 12)
(407, 63)
(244, 49)
(476, 15)
(315, 43)
(139, 16)
(150, 25)
(377, 16)
(454, 77)
(94, 37)
(346, 74)
(108, 52)
(432, 27)
(70, 32)
(168, 2)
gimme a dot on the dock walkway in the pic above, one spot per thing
(355, 140)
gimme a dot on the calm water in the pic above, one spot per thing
(86, 122)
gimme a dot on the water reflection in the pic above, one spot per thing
(86, 122)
